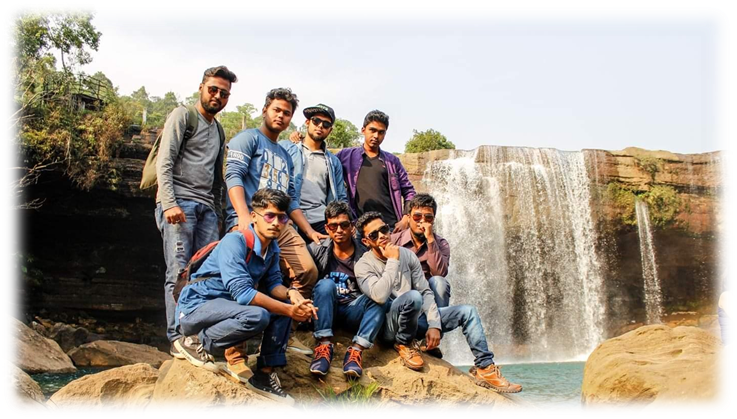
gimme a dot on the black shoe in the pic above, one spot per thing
(173, 351)
(268, 385)
(434, 352)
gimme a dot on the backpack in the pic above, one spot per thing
(148, 177)
(185, 276)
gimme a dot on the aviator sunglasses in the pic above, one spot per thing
(317, 121)
(214, 89)
(270, 216)
(418, 216)
(345, 225)
(375, 234)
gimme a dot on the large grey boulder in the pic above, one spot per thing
(28, 391)
(128, 386)
(37, 354)
(113, 353)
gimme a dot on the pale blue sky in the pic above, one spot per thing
(568, 84)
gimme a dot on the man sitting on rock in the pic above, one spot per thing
(393, 275)
(236, 294)
(337, 296)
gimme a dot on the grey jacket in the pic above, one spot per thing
(380, 280)
(191, 174)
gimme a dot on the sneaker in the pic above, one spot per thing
(323, 357)
(352, 363)
(410, 355)
(491, 377)
(295, 345)
(435, 352)
(239, 371)
(193, 351)
(173, 351)
(268, 385)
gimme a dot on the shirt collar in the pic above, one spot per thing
(405, 237)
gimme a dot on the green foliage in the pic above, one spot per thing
(344, 134)
(623, 198)
(235, 122)
(356, 395)
(159, 108)
(651, 165)
(426, 141)
(663, 203)
(25, 265)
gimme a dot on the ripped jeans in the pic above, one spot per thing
(181, 241)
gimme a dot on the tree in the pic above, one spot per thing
(426, 141)
(237, 121)
(344, 134)
(193, 99)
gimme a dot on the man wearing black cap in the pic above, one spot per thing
(318, 174)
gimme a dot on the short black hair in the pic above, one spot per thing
(263, 197)
(378, 116)
(337, 208)
(367, 218)
(220, 71)
(422, 200)
(283, 93)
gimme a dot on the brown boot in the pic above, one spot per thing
(410, 355)
(236, 365)
(491, 377)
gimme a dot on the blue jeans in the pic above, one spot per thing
(222, 323)
(362, 313)
(405, 321)
(181, 241)
(441, 288)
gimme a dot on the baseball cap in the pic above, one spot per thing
(319, 108)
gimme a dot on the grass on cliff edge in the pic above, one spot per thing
(358, 400)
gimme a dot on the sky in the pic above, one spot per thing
(571, 78)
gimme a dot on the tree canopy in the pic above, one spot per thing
(426, 141)
(344, 134)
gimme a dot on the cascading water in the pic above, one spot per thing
(523, 250)
(653, 295)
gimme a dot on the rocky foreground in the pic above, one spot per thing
(147, 376)
(653, 364)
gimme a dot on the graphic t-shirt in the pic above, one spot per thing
(341, 272)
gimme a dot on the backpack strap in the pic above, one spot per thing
(192, 121)
(250, 240)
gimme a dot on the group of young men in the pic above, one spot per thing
(373, 266)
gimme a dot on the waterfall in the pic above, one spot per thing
(523, 250)
(653, 295)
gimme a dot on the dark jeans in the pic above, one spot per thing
(181, 241)
(362, 313)
(405, 318)
(222, 323)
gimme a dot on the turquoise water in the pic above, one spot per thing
(51, 383)
(549, 384)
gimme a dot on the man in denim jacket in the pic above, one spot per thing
(318, 174)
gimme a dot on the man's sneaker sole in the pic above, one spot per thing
(318, 372)
(412, 367)
(300, 350)
(286, 400)
(352, 374)
(233, 374)
(177, 355)
(486, 384)
(210, 366)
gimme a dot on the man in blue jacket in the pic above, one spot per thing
(237, 293)
(318, 174)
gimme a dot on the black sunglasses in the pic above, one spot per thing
(317, 121)
(345, 225)
(375, 234)
(214, 89)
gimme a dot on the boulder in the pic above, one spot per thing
(37, 354)
(128, 386)
(179, 381)
(113, 353)
(69, 337)
(438, 382)
(22, 395)
(654, 363)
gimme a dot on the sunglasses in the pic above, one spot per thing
(345, 225)
(269, 217)
(418, 216)
(317, 121)
(375, 234)
(213, 90)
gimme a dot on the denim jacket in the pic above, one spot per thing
(336, 190)
(399, 184)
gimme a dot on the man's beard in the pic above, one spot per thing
(212, 110)
(420, 237)
(318, 139)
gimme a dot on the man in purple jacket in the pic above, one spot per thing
(376, 179)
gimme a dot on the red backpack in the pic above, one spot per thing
(184, 277)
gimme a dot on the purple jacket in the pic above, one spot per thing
(399, 184)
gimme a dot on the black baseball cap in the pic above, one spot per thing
(319, 108)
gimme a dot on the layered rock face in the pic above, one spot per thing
(653, 364)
